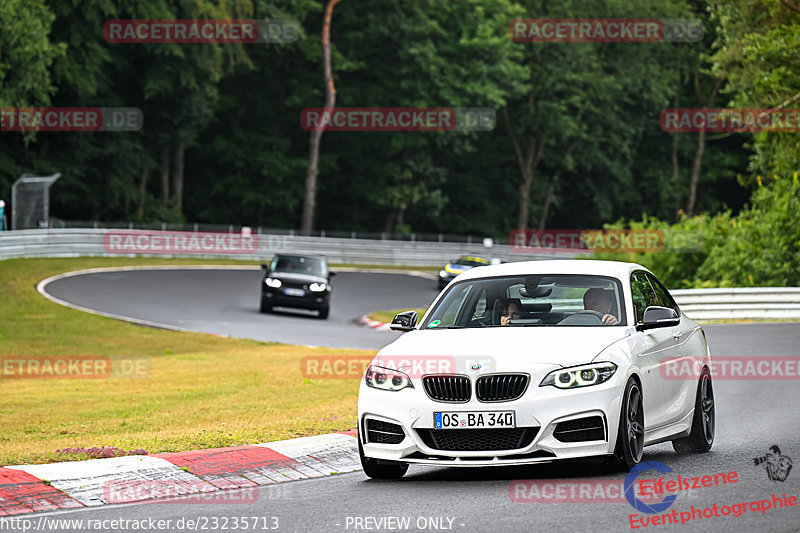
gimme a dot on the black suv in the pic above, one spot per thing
(296, 281)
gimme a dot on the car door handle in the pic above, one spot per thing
(676, 334)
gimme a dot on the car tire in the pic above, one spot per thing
(630, 435)
(265, 307)
(323, 313)
(701, 437)
(376, 470)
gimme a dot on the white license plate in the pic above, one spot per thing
(473, 419)
(294, 292)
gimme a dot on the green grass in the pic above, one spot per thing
(202, 391)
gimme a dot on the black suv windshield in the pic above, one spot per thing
(298, 264)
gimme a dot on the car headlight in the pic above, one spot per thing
(442, 273)
(272, 282)
(579, 376)
(317, 287)
(385, 379)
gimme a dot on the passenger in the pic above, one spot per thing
(602, 301)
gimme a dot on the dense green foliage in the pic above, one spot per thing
(759, 247)
(230, 113)
(577, 141)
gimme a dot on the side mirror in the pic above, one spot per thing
(331, 274)
(264, 266)
(656, 316)
(405, 321)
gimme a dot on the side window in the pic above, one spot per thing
(643, 294)
(480, 305)
(664, 299)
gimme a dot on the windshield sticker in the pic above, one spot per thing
(434, 323)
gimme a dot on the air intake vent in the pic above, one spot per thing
(384, 432)
(447, 388)
(501, 387)
(477, 440)
(582, 429)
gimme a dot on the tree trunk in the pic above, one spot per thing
(142, 196)
(548, 199)
(177, 177)
(676, 174)
(310, 199)
(527, 168)
(165, 175)
(695, 176)
(701, 145)
(391, 220)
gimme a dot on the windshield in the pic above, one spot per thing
(471, 261)
(540, 300)
(294, 264)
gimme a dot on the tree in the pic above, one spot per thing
(309, 204)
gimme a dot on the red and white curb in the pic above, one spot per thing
(365, 321)
(50, 487)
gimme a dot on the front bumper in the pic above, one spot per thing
(540, 410)
(311, 300)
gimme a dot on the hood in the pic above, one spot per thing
(509, 348)
(296, 278)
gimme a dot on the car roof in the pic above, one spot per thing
(615, 269)
(317, 256)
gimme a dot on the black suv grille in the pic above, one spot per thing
(501, 387)
(447, 388)
(590, 428)
(384, 432)
(476, 440)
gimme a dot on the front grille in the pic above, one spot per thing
(477, 440)
(447, 388)
(582, 429)
(501, 387)
(384, 432)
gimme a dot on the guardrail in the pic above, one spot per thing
(701, 304)
(77, 242)
(753, 303)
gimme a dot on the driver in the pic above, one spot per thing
(509, 310)
(602, 301)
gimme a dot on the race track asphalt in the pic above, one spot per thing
(225, 302)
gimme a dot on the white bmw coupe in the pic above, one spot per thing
(537, 361)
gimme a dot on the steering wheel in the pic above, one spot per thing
(588, 312)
